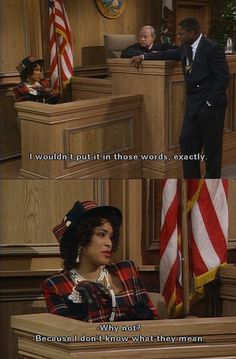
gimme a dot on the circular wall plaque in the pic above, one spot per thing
(111, 8)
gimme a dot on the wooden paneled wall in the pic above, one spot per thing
(88, 25)
(20, 36)
(12, 48)
(30, 208)
(200, 9)
(24, 31)
(29, 20)
(12, 42)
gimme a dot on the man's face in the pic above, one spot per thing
(145, 38)
(186, 37)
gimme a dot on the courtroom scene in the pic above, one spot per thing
(118, 89)
(117, 268)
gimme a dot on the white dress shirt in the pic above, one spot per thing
(195, 45)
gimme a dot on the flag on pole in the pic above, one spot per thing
(170, 248)
(208, 211)
(61, 57)
(208, 236)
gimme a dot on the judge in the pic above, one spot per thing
(146, 43)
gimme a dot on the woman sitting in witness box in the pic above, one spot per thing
(32, 87)
(89, 288)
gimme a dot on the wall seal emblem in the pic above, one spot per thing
(111, 9)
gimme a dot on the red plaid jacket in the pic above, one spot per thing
(43, 93)
(132, 304)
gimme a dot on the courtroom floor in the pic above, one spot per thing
(11, 169)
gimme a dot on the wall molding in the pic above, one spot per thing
(29, 250)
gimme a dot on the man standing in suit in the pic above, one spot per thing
(207, 76)
(147, 36)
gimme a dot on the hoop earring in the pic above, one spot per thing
(78, 256)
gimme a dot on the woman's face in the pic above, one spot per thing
(98, 252)
(36, 75)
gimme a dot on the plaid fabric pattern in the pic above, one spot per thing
(22, 92)
(133, 303)
(60, 229)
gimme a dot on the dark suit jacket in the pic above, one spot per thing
(137, 49)
(209, 76)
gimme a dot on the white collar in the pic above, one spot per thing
(196, 42)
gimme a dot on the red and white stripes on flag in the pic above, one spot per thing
(208, 237)
(61, 57)
(170, 248)
(209, 227)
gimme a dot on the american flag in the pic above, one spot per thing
(208, 206)
(61, 57)
(170, 248)
(208, 236)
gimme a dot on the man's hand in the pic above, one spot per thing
(136, 61)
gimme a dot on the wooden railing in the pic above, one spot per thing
(54, 337)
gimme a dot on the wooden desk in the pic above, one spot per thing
(84, 87)
(69, 137)
(185, 338)
(162, 85)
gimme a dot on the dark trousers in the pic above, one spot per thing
(203, 130)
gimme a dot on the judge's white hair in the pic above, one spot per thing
(151, 29)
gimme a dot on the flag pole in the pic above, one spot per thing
(185, 252)
(59, 67)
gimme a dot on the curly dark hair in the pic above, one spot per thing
(79, 235)
(29, 71)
